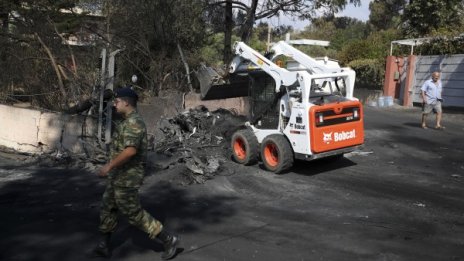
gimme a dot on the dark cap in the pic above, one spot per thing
(125, 92)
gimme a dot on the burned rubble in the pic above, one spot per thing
(197, 139)
(193, 145)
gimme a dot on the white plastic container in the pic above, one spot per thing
(388, 101)
(381, 101)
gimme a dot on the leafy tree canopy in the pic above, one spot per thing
(338, 30)
(422, 17)
(385, 14)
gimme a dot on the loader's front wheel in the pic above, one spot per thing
(276, 153)
(244, 146)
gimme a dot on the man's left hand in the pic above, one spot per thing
(103, 172)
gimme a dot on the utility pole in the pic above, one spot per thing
(269, 29)
(102, 91)
(107, 83)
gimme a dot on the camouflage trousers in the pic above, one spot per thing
(125, 201)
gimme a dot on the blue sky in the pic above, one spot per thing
(359, 12)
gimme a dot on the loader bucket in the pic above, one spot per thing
(214, 86)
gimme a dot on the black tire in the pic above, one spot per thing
(244, 145)
(276, 153)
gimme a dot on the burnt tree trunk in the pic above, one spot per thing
(228, 25)
(247, 28)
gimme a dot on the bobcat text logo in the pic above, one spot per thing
(344, 135)
(339, 136)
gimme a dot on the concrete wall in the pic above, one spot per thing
(33, 131)
(418, 69)
(240, 105)
(365, 95)
(415, 70)
(452, 77)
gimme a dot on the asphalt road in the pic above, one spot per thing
(400, 198)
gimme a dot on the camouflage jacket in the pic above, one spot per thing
(131, 132)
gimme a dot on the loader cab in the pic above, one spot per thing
(327, 90)
(264, 101)
(323, 91)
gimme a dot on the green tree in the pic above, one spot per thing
(338, 30)
(348, 30)
(445, 43)
(249, 12)
(367, 57)
(423, 17)
(319, 29)
(304, 9)
(385, 14)
(375, 46)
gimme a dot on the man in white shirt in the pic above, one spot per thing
(431, 99)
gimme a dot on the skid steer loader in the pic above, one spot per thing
(301, 107)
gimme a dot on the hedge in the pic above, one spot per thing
(370, 73)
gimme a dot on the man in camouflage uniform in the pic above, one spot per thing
(125, 173)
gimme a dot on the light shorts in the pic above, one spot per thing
(428, 108)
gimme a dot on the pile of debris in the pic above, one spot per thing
(197, 138)
(194, 145)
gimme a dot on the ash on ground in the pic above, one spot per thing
(195, 143)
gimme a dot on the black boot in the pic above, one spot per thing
(103, 247)
(170, 244)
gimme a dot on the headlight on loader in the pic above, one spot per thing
(356, 113)
(319, 118)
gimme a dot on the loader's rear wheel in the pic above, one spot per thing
(244, 146)
(276, 153)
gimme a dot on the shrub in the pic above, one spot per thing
(444, 45)
(369, 73)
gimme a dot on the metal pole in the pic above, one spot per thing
(109, 104)
(102, 91)
(268, 37)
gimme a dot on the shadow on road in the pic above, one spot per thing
(311, 168)
(413, 124)
(53, 214)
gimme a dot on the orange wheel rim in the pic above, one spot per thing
(239, 149)
(271, 155)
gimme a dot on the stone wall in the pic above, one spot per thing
(33, 131)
